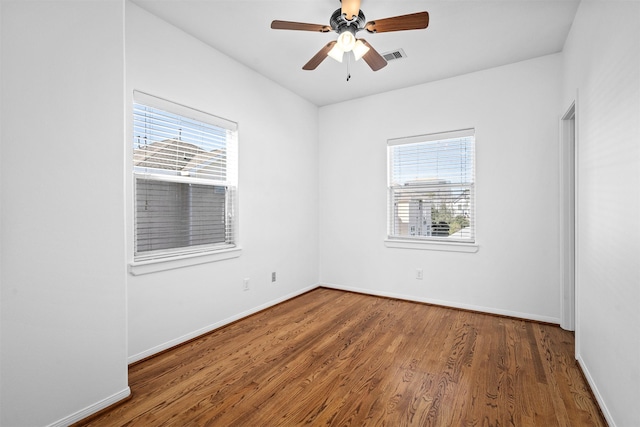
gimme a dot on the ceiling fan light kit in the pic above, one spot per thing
(347, 22)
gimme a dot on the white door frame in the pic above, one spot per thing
(568, 217)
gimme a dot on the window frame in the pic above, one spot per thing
(440, 243)
(158, 260)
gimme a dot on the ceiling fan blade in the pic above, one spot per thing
(319, 57)
(301, 26)
(413, 21)
(373, 58)
(350, 8)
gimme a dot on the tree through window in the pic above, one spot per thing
(431, 187)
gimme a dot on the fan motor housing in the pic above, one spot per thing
(339, 23)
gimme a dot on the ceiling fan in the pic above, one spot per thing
(347, 22)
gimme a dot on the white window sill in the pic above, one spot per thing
(156, 265)
(431, 245)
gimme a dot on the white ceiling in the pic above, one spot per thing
(463, 36)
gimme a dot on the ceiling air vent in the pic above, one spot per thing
(394, 54)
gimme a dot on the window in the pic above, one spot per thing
(185, 178)
(431, 187)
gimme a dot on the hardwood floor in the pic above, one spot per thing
(336, 358)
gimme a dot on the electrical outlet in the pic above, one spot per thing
(419, 273)
(273, 277)
(245, 284)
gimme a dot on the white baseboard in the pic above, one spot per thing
(98, 406)
(489, 310)
(92, 409)
(596, 392)
(177, 341)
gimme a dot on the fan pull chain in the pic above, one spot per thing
(348, 65)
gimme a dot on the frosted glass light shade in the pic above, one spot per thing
(336, 52)
(360, 49)
(346, 41)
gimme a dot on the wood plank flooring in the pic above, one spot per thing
(342, 359)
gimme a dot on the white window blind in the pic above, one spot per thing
(431, 187)
(185, 177)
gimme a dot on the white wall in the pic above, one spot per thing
(602, 65)
(514, 110)
(64, 297)
(278, 181)
(63, 269)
